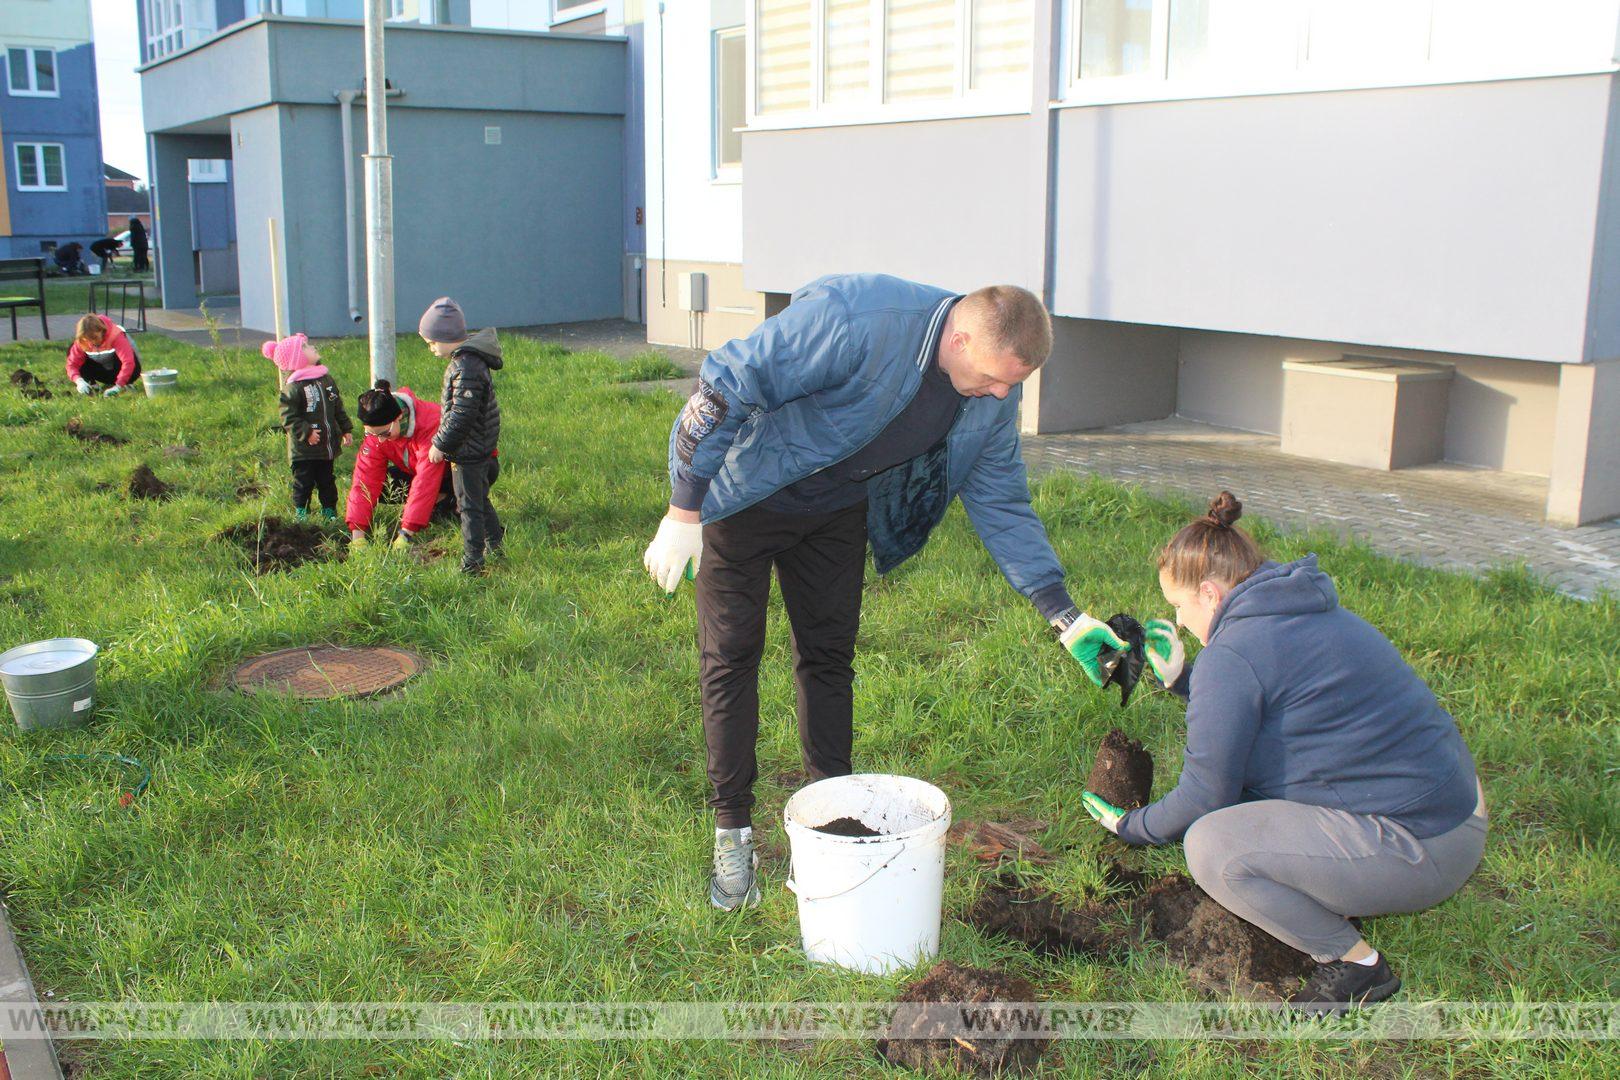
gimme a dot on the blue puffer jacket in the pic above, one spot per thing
(817, 382)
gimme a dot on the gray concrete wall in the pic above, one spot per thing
(453, 68)
(1585, 483)
(1453, 218)
(309, 61)
(1501, 413)
(256, 159)
(945, 202)
(228, 74)
(1101, 374)
(527, 230)
(172, 226)
(1603, 316)
(521, 233)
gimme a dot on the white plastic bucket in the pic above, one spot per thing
(871, 904)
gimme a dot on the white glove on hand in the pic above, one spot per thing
(83, 385)
(113, 391)
(1164, 651)
(676, 550)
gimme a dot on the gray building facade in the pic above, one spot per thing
(508, 167)
(1191, 246)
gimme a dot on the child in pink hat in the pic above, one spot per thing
(317, 425)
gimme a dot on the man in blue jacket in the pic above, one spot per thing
(855, 415)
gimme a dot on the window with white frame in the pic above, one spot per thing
(849, 59)
(1146, 48)
(41, 167)
(730, 58)
(165, 28)
(206, 170)
(31, 72)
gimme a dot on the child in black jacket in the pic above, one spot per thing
(469, 426)
(318, 427)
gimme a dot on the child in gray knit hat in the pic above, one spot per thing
(469, 427)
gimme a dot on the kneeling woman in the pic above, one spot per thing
(102, 355)
(1321, 779)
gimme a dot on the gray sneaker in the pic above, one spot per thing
(734, 884)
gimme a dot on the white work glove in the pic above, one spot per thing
(83, 385)
(113, 391)
(1164, 651)
(677, 550)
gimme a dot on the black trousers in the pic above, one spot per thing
(313, 474)
(820, 562)
(94, 371)
(480, 525)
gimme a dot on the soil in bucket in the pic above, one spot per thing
(29, 385)
(1008, 908)
(77, 428)
(929, 1041)
(1122, 772)
(1220, 952)
(847, 826)
(1130, 662)
(144, 484)
(276, 544)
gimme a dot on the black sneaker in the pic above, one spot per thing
(1333, 988)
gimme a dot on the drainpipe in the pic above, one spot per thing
(346, 111)
(379, 200)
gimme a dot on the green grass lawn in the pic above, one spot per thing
(526, 822)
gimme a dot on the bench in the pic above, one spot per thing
(32, 270)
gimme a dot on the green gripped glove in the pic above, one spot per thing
(1102, 811)
(1086, 639)
(403, 541)
(1165, 653)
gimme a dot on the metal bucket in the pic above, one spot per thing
(50, 683)
(161, 381)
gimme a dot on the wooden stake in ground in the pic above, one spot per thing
(276, 302)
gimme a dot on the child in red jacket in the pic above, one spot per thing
(102, 355)
(399, 432)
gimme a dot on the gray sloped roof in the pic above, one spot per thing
(128, 201)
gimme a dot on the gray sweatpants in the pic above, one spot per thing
(1297, 871)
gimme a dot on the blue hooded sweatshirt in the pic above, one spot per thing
(1296, 698)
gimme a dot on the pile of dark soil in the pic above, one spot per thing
(249, 489)
(1123, 772)
(926, 1039)
(29, 385)
(275, 544)
(1128, 668)
(144, 484)
(1033, 916)
(1221, 953)
(78, 429)
(180, 453)
(846, 826)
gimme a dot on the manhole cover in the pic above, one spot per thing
(328, 671)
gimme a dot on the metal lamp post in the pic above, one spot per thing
(379, 200)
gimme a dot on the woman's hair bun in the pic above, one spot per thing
(383, 385)
(1224, 509)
